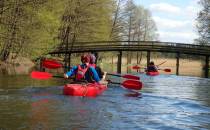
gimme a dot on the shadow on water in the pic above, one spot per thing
(133, 94)
(166, 102)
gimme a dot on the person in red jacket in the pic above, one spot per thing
(84, 71)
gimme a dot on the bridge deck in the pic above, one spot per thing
(135, 46)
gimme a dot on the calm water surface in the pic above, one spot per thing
(166, 102)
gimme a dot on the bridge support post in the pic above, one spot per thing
(207, 67)
(65, 63)
(177, 63)
(148, 58)
(119, 62)
(69, 61)
(41, 68)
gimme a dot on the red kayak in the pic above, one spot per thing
(85, 90)
(152, 73)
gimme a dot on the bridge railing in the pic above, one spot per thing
(134, 46)
(137, 43)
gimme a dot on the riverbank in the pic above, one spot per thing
(21, 66)
(187, 67)
(16, 66)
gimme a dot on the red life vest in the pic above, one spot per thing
(81, 72)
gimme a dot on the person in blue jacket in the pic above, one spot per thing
(98, 69)
(84, 72)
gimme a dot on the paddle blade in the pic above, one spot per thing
(40, 75)
(128, 76)
(136, 67)
(51, 64)
(167, 70)
(132, 84)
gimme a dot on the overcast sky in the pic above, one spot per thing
(175, 19)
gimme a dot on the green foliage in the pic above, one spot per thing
(45, 28)
(34, 28)
(86, 20)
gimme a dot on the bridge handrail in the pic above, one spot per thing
(138, 42)
(135, 46)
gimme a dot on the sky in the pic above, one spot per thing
(175, 19)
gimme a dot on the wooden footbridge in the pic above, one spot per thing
(148, 46)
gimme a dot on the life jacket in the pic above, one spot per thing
(81, 72)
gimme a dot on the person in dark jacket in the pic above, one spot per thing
(152, 67)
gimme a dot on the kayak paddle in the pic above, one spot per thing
(128, 76)
(52, 64)
(43, 75)
(130, 84)
(161, 63)
(136, 67)
(166, 70)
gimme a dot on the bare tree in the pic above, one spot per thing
(204, 23)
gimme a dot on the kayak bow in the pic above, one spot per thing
(84, 90)
(152, 73)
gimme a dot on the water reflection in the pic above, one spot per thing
(133, 94)
(22, 81)
(40, 111)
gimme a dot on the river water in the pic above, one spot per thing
(167, 102)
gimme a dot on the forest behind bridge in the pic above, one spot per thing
(28, 25)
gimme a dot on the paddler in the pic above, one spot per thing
(152, 67)
(101, 74)
(84, 72)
